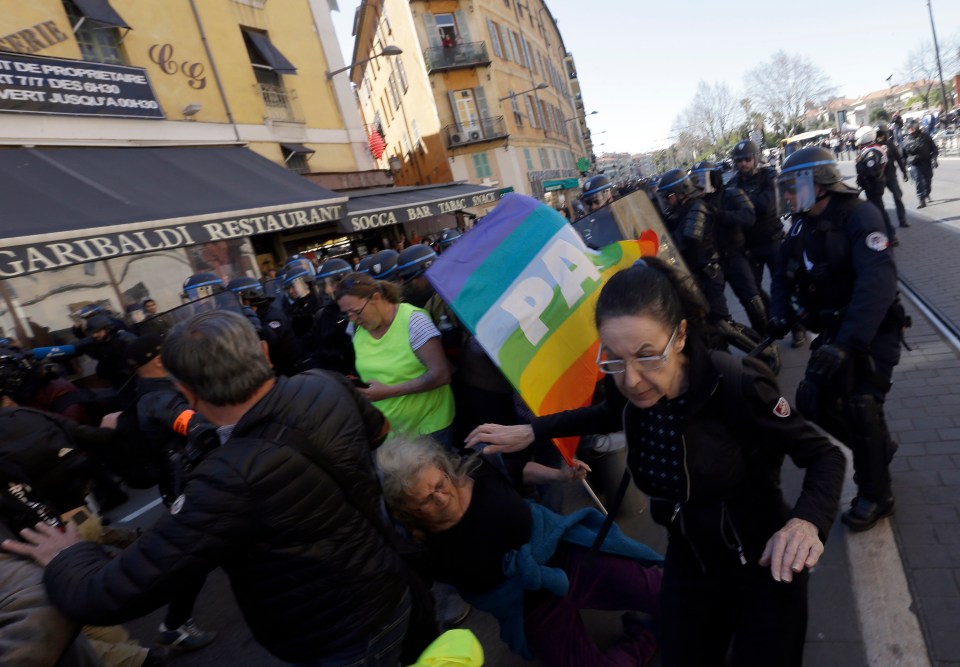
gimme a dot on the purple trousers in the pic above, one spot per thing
(556, 633)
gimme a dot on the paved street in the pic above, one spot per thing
(870, 590)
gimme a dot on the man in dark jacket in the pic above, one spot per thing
(894, 160)
(286, 506)
(921, 153)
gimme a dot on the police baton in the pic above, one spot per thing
(764, 344)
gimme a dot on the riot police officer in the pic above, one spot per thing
(272, 323)
(318, 327)
(734, 214)
(597, 192)
(764, 238)
(412, 264)
(691, 221)
(383, 266)
(894, 160)
(448, 237)
(871, 168)
(837, 276)
(921, 153)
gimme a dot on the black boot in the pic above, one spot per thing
(757, 314)
(864, 514)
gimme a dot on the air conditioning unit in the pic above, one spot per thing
(458, 138)
(474, 135)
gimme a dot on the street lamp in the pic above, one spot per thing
(389, 50)
(539, 86)
(567, 120)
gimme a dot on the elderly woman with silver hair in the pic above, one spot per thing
(529, 567)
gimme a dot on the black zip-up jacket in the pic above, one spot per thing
(761, 188)
(311, 574)
(919, 148)
(894, 159)
(732, 462)
(734, 214)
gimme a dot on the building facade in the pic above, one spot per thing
(484, 92)
(145, 141)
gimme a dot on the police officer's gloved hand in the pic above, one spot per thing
(825, 362)
(778, 327)
(935, 163)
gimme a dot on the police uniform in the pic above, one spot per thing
(764, 237)
(871, 168)
(838, 276)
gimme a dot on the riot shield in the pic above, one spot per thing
(165, 321)
(630, 217)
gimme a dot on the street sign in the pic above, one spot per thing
(561, 184)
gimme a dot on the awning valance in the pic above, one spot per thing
(63, 206)
(391, 206)
(100, 11)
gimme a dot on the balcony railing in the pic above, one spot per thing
(469, 54)
(280, 103)
(485, 129)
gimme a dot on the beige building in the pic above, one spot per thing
(141, 142)
(484, 92)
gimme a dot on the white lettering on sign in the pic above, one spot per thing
(569, 268)
(419, 212)
(360, 222)
(452, 206)
(487, 198)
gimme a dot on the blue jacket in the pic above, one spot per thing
(527, 570)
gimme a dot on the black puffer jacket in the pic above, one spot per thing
(311, 575)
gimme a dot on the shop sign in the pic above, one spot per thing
(29, 258)
(34, 84)
(381, 218)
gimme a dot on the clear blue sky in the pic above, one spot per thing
(639, 62)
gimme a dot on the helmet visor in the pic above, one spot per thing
(796, 192)
(298, 288)
(701, 178)
(667, 200)
(198, 292)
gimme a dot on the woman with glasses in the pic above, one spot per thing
(526, 565)
(706, 437)
(399, 356)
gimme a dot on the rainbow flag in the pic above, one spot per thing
(524, 283)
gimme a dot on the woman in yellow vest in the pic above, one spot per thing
(399, 357)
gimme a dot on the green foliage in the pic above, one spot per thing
(878, 113)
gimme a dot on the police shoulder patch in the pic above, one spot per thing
(877, 241)
(781, 409)
(181, 499)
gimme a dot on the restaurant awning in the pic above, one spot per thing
(63, 206)
(270, 54)
(368, 209)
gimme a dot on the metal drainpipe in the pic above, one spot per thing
(213, 66)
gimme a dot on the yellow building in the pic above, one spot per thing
(141, 142)
(484, 91)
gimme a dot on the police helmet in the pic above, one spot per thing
(448, 236)
(414, 260)
(706, 176)
(248, 289)
(14, 371)
(201, 285)
(674, 182)
(913, 125)
(745, 149)
(596, 184)
(298, 277)
(384, 265)
(364, 265)
(91, 309)
(865, 136)
(335, 269)
(803, 170)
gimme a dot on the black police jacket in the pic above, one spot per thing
(311, 574)
(894, 159)
(761, 188)
(838, 268)
(734, 213)
(732, 458)
(691, 226)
